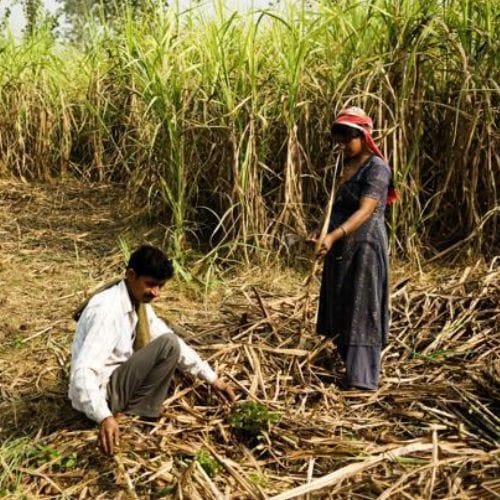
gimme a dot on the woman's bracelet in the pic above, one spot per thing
(342, 228)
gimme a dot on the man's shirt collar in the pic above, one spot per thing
(125, 300)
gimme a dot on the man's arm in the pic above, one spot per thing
(88, 398)
(95, 340)
(190, 361)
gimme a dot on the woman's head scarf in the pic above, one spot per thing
(356, 118)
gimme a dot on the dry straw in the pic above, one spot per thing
(430, 431)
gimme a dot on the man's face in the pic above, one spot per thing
(143, 289)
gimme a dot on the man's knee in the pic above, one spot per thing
(169, 347)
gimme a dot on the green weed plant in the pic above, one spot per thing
(251, 418)
(208, 463)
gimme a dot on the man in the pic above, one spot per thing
(124, 356)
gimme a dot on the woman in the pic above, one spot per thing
(353, 303)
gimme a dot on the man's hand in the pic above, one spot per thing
(109, 434)
(225, 390)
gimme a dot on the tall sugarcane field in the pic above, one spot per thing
(210, 131)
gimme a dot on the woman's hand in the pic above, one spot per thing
(326, 244)
(312, 239)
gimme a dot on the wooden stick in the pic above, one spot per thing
(351, 469)
(265, 312)
(435, 460)
(319, 243)
(211, 485)
(128, 481)
(236, 475)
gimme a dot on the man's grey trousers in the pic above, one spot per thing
(139, 386)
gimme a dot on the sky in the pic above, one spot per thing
(17, 17)
(17, 20)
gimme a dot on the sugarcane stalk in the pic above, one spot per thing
(317, 257)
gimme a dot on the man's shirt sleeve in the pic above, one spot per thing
(189, 360)
(93, 351)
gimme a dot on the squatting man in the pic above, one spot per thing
(124, 356)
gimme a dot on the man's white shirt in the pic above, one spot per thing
(104, 340)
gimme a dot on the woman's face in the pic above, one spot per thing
(349, 140)
(352, 147)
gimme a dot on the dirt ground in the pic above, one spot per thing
(439, 393)
(55, 242)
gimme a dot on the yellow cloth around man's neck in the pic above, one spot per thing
(142, 333)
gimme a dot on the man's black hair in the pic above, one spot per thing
(148, 260)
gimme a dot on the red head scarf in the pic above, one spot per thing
(355, 117)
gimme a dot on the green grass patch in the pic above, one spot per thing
(208, 463)
(252, 418)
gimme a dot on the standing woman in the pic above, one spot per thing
(354, 297)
